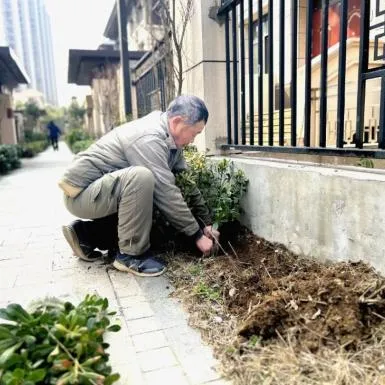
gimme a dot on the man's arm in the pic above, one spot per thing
(151, 152)
(197, 203)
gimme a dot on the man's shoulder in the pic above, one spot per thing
(146, 125)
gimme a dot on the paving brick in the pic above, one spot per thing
(150, 340)
(9, 252)
(143, 325)
(199, 368)
(169, 312)
(156, 359)
(137, 311)
(169, 376)
(185, 341)
(130, 374)
(154, 288)
(26, 278)
(7, 277)
(121, 349)
(124, 284)
(218, 382)
(127, 302)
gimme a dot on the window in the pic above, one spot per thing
(265, 43)
(139, 13)
(156, 13)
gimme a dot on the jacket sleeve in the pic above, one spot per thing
(151, 152)
(197, 204)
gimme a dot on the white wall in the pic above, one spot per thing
(7, 125)
(204, 71)
(323, 212)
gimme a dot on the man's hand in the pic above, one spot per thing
(211, 233)
(205, 244)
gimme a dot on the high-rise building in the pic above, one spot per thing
(25, 26)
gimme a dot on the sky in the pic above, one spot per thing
(75, 24)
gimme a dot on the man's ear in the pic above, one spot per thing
(174, 121)
(177, 119)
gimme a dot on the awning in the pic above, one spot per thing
(82, 63)
(12, 72)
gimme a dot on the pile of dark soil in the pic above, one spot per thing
(265, 294)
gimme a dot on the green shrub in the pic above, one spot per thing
(81, 145)
(76, 135)
(365, 162)
(31, 136)
(9, 158)
(56, 343)
(221, 185)
(30, 149)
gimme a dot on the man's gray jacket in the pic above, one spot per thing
(143, 142)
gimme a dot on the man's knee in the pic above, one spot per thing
(139, 175)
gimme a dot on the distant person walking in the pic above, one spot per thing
(54, 133)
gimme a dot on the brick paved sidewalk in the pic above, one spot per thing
(155, 345)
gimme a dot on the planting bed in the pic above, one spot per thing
(275, 318)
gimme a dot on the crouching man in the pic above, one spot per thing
(128, 171)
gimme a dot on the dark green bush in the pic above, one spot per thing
(221, 185)
(76, 135)
(31, 136)
(81, 145)
(9, 158)
(30, 149)
(56, 343)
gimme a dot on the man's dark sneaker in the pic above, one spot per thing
(144, 265)
(79, 248)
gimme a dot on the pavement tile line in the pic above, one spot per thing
(156, 345)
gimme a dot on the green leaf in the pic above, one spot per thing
(14, 312)
(15, 360)
(5, 332)
(29, 340)
(8, 353)
(19, 373)
(114, 328)
(91, 323)
(91, 361)
(55, 352)
(37, 375)
(37, 364)
(105, 304)
(5, 344)
(66, 378)
(111, 313)
(111, 379)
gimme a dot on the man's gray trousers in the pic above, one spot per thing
(129, 192)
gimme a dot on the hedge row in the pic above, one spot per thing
(9, 157)
(10, 154)
(78, 140)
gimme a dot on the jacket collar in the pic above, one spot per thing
(165, 126)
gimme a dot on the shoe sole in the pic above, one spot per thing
(119, 266)
(73, 241)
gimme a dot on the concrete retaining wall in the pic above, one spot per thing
(322, 212)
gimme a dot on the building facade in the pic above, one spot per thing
(25, 27)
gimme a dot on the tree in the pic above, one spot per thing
(175, 16)
(53, 113)
(75, 114)
(32, 114)
(106, 92)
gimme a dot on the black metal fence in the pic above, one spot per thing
(289, 70)
(150, 89)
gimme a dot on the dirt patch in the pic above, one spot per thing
(262, 296)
